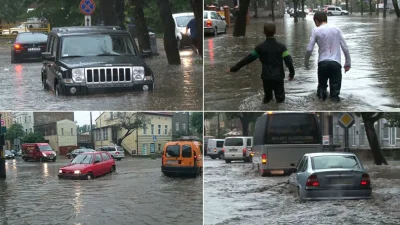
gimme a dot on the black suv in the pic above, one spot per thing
(81, 60)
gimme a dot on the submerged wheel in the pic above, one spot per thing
(89, 176)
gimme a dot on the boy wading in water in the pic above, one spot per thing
(329, 40)
(271, 54)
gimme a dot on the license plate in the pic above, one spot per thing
(172, 162)
(147, 78)
(277, 172)
(33, 49)
(341, 181)
(233, 150)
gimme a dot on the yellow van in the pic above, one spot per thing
(183, 157)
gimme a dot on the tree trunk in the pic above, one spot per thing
(351, 6)
(120, 13)
(347, 4)
(395, 6)
(302, 8)
(370, 7)
(141, 26)
(377, 7)
(255, 9)
(384, 8)
(128, 132)
(272, 10)
(295, 5)
(197, 7)
(170, 42)
(107, 13)
(241, 19)
(373, 140)
(245, 125)
(362, 7)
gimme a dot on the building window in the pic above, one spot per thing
(183, 126)
(159, 148)
(97, 132)
(152, 129)
(30, 119)
(397, 133)
(385, 131)
(72, 131)
(105, 134)
(30, 130)
(26, 131)
(159, 129)
(62, 131)
(362, 134)
(145, 130)
(166, 129)
(177, 126)
(25, 119)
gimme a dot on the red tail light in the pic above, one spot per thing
(312, 181)
(223, 150)
(18, 47)
(365, 180)
(264, 158)
(117, 153)
(209, 23)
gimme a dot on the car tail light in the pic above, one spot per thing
(223, 150)
(117, 153)
(264, 158)
(18, 47)
(312, 181)
(365, 180)
(209, 23)
(244, 151)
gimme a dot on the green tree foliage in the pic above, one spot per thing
(196, 121)
(393, 119)
(245, 118)
(15, 131)
(34, 138)
(11, 11)
(209, 115)
(130, 122)
(83, 129)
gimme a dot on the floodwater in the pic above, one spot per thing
(137, 193)
(235, 194)
(177, 87)
(371, 84)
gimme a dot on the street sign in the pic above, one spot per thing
(87, 7)
(325, 140)
(2, 122)
(154, 138)
(152, 148)
(88, 21)
(346, 120)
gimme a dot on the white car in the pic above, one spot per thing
(238, 148)
(336, 11)
(214, 23)
(215, 148)
(117, 152)
(181, 21)
(15, 30)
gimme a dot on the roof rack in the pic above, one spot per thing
(189, 138)
(81, 28)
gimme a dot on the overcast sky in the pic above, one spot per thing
(83, 117)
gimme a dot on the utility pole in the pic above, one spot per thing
(2, 155)
(219, 134)
(91, 130)
(137, 138)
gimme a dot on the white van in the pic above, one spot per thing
(215, 148)
(238, 148)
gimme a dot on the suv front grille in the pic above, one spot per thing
(104, 75)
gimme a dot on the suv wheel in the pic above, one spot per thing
(89, 176)
(329, 14)
(112, 169)
(342, 14)
(221, 155)
(215, 32)
(227, 161)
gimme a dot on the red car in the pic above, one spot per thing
(88, 165)
(38, 152)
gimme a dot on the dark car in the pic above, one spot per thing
(83, 60)
(76, 152)
(28, 45)
(9, 155)
(131, 26)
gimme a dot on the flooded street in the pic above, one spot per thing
(371, 84)
(236, 194)
(137, 193)
(176, 87)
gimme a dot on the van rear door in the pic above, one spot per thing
(234, 146)
(172, 155)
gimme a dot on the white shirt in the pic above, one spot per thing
(329, 40)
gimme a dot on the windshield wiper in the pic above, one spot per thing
(108, 54)
(73, 56)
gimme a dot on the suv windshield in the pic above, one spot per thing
(234, 142)
(45, 148)
(97, 45)
(32, 38)
(83, 159)
(182, 21)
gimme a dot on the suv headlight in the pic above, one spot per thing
(138, 73)
(78, 75)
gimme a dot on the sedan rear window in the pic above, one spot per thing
(335, 161)
(173, 151)
(234, 142)
(32, 38)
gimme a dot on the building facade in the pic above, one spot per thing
(25, 119)
(141, 142)
(40, 118)
(180, 124)
(7, 121)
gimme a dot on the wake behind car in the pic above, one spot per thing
(330, 175)
(83, 60)
(28, 46)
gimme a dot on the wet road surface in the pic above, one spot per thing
(235, 194)
(371, 84)
(137, 193)
(177, 87)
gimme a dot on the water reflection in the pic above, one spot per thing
(77, 199)
(45, 170)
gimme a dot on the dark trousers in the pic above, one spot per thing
(333, 71)
(275, 86)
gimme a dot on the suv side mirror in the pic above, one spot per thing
(146, 53)
(48, 56)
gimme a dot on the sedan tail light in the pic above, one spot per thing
(264, 158)
(209, 23)
(365, 180)
(117, 153)
(223, 150)
(244, 151)
(18, 47)
(312, 181)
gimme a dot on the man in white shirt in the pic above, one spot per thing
(329, 40)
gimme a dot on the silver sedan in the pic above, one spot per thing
(330, 175)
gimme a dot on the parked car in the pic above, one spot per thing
(117, 152)
(88, 165)
(8, 154)
(238, 148)
(38, 152)
(15, 30)
(214, 23)
(182, 157)
(82, 60)
(330, 175)
(76, 152)
(131, 26)
(28, 46)
(299, 13)
(336, 11)
(215, 148)
(181, 21)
